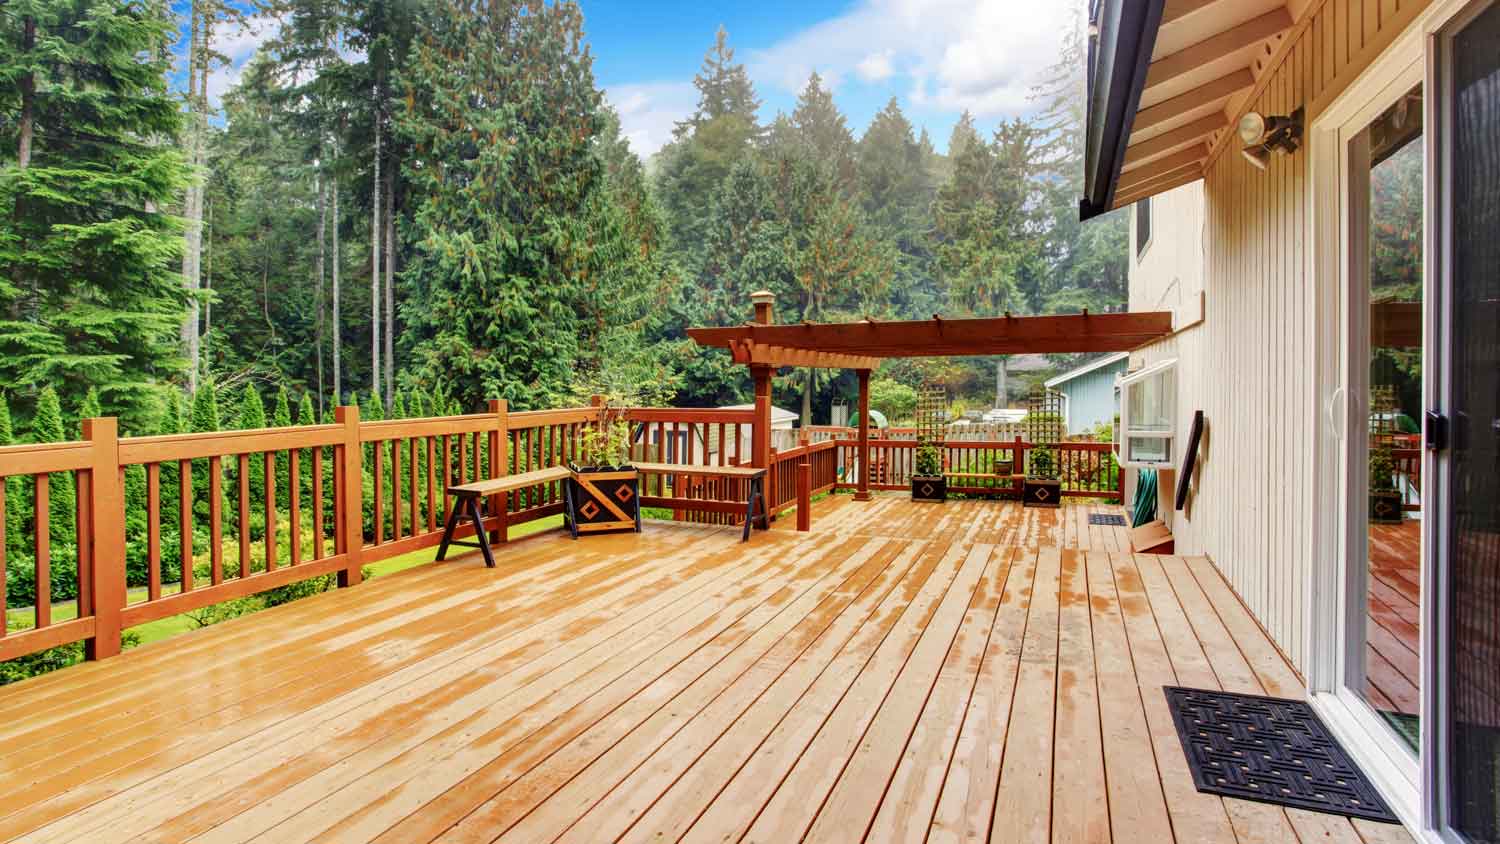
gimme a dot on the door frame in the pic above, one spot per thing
(1416, 789)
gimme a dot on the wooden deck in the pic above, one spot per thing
(905, 672)
(1393, 667)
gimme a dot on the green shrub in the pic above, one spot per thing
(1382, 467)
(929, 460)
(1043, 463)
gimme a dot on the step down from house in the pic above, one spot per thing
(1272, 750)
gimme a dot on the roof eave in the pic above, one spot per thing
(1119, 56)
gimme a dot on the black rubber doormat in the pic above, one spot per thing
(1107, 521)
(1272, 750)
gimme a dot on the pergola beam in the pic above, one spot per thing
(749, 352)
(869, 339)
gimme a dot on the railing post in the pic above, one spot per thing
(351, 495)
(107, 530)
(862, 491)
(804, 495)
(499, 465)
(1019, 452)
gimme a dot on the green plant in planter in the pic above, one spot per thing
(1043, 463)
(929, 460)
(1385, 498)
(605, 444)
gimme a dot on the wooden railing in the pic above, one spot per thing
(1086, 469)
(225, 515)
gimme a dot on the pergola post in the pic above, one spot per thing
(760, 430)
(862, 490)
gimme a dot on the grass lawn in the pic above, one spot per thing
(172, 625)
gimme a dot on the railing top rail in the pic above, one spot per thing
(710, 415)
(562, 416)
(162, 447)
(390, 429)
(41, 458)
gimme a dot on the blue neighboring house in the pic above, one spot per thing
(1089, 396)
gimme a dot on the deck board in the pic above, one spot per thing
(972, 671)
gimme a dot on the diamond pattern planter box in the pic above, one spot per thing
(1041, 492)
(1385, 507)
(929, 488)
(605, 499)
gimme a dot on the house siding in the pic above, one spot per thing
(1091, 398)
(1249, 364)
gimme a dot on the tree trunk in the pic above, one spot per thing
(375, 371)
(390, 283)
(318, 288)
(807, 396)
(192, 210)
(338, 386)
(28, 98)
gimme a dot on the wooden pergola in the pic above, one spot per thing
(765, 346)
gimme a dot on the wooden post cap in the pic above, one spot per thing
(763, 300)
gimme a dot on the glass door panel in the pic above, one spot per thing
(1471, 649)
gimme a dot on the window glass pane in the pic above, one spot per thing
(1152, 402)
(1149, 449)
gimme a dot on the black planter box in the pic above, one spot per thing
(929, 488)
(1385, 507)
(604, 499)
(1041, 492)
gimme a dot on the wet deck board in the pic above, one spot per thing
(964, 672)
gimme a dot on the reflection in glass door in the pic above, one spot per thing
(1384, 624)
(1469, 648)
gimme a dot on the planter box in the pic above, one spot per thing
(1385, 507)
(1041, 492)
(605, 499)
(929, 488)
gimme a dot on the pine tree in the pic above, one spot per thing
(89, 295)
(252, 417)
(898, 183)
(205, 416)
(15, 505)
(497, 259)
(281, 417)
(89, 409)
(306, 415)
(47, 427)
(823, 133)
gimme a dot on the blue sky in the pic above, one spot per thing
(937, 57)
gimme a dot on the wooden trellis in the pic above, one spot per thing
(1044, 418)
(932, 412)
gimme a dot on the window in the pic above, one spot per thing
(1148, 410)
(1142, 225)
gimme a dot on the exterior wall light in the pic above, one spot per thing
(1265, 135)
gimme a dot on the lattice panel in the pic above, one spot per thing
(1044, 418)
(932, 412)
(1272, 750)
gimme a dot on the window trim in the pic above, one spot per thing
(1124, 433)
(1142, 248)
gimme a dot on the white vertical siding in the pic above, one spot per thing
(1248, 365)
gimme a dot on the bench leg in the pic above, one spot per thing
(454, 511)
(570, 517)
(479, 532)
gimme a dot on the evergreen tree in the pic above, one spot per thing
(281, 417)
(501, 233)
(89, 295)
(15, 506)
(306, 415)
(47, 427)
(823, 134)
(898, 183)
(205, 415)
(252, 417)
(89, 409)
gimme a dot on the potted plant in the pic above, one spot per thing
(1385, 498)
(1041, 487)
(605, 489)
(928, 482)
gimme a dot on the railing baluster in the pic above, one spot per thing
(431, 475)
(317, 502)
(216, 519)
(378, 510)
(270, 531)
(185, 524)
(395, 490)
(83, 541)
(42, 502)
(153, 531)
(244, 512)
(4, 612)
(294, 503)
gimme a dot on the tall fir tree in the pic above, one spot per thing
(252, 416)
(89, 293)
(15, 506)
(504, 181)
(47, 427)
(281, 417)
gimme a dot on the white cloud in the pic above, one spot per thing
(955, 54)
(649, 111)
(876, 67)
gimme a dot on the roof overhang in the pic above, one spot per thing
(1168, 81)
(1086, 368)
(1119, 56)
(863, 344)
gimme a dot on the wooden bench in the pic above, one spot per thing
(755, 492)
(466, 503)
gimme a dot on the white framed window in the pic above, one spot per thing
(1148, 413)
